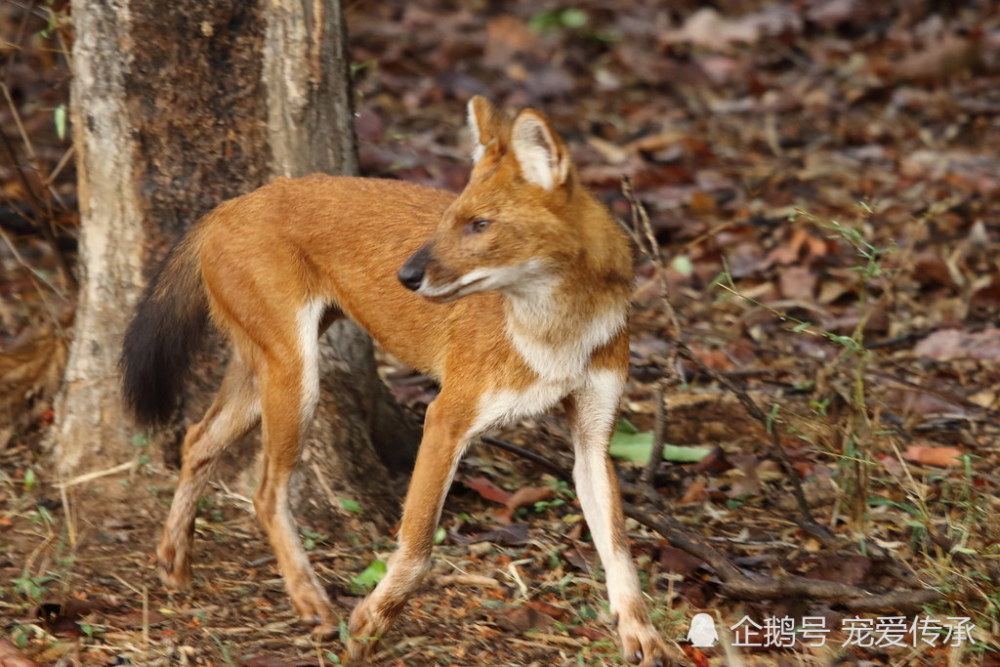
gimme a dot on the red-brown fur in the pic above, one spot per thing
(275, 265)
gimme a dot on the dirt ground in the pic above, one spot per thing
(823, 180)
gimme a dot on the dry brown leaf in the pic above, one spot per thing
(844, 568)
(552, 610)
(523, 618)
(933, 456)
(950, 344)
(696, 493)
(798, 283)
(506, 35)
(487, 489)
(695, 655)
(801, 247)
(702, 203)
(949, 56)
(528, 495)
(11, 656)
(678, 561)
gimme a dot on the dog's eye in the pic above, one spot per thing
(477, 226)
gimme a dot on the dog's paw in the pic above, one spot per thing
(642, 645)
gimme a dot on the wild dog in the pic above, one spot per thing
(514, 294)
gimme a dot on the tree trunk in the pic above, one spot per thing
(176, 107)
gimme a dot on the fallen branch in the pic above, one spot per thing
(553, 467)
(735, 584)
(97, 474)
(645, 239)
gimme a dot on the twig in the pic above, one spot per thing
(97, 474)
(33, 273)
(331, 497)
(653, 371)
(68, 517)
(553, 467)
(17, 121)
(905, 339)
(648, 475)
(466, 580)
(737, 585)
(43, 218)
(145, 619)
(671, 377)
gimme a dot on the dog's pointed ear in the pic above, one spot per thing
(486, 125)
(541, 154)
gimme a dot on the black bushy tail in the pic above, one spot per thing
(168, 325)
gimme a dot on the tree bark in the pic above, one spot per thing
(310, 129)
(176, 107)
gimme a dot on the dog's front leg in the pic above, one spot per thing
(591, 412)
(444, 439)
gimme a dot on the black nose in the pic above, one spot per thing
(412, 272)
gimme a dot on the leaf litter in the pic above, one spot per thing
(747, 130)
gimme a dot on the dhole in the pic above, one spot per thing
(513, 294)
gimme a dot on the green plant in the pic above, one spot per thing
(310, 539)
(371, 575)
(31, 587)
(91, 631)
(569, 18)
(350, 505)
(858, 433)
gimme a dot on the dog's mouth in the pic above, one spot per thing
(454, 294)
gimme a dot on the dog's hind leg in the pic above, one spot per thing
(235, 410)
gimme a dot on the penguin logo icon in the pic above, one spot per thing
(702, 633)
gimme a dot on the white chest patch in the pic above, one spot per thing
(567, 361)
(506, 406)
(561, 369)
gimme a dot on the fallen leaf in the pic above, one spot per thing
(947, 57)
(515, 533)
(715, 359)
(695, 655)
(695, 493)
(708, 28)
(891, 465)
(797, 282)
(590, 632)
(702, 203)
(950, 344)
(677, 561)
(629, 444)
(715, 462)
(275, 661)
(506, 36)
(11, 656)
(930, 270)
(523, 618)
(843, 568)
(528, 495)
(370, 576)
(580, 558)
(552, 610)
(802, 246)
(487, 489)
(924, 402)
(933, 456)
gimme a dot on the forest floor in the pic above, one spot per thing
(823, 179)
